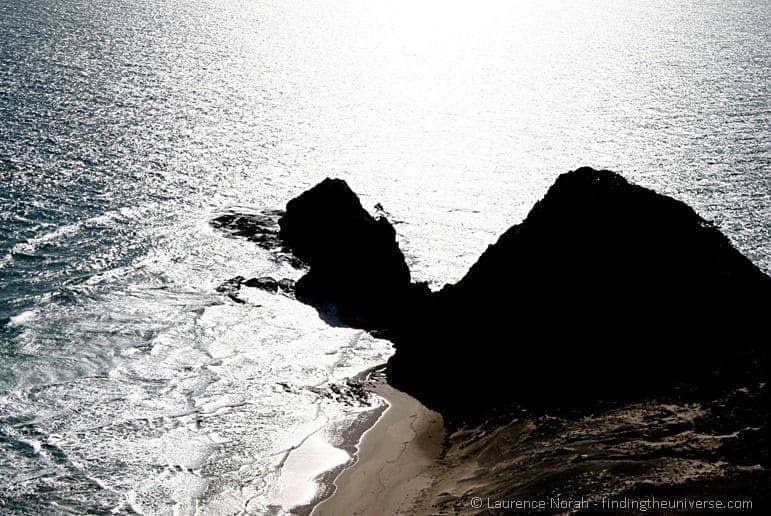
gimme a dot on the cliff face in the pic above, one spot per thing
(357, 275)
(606, 291)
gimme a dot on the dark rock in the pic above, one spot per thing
(286, 387)
(265, 283)
(235, 298)
(286, 285)
(258, 227)
(261, 227)
(351, 393)
(607, 291)
(231, 285)
(357, 275)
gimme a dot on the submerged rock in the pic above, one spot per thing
(606, 291)
(258, 227)
(230, 285)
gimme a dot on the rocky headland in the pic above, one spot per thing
(606, 291)
(614, 342)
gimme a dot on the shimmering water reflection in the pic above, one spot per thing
(126, 381)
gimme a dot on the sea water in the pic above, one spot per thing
(127, 382)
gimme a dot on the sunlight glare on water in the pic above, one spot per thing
(126, 381)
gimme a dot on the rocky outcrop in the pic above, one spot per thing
(357, 274)
(232, 286)
(258, 227)
(263, 283)
(606, 291)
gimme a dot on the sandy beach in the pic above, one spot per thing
(394, 461)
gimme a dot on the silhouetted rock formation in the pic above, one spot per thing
(357, 272)
(606, 290)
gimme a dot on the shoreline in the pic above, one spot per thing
(348, 437)
(393, 462)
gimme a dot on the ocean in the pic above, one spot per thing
(128, 384)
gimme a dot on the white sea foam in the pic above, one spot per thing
(134, 368)
(23, 318)
(197, 414)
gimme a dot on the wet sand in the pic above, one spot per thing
(395, 463)
(310, 468)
